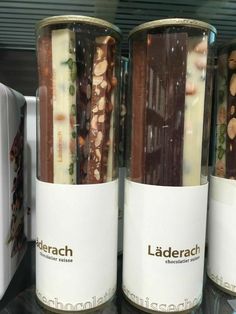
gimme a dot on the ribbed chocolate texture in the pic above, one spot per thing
(158, 105)
(138, 81)
(166, 104)
(45, 109)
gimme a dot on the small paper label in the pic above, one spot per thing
(222, 233)
(164, 244)
(76, 245)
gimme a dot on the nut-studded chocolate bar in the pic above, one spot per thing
(221, 126)
(64, 102)
(231, 117)
(102, 108)
(84, 60)
(166, 58)
(45, 172)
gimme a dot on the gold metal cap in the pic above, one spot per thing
(173, 22)
(63, 19)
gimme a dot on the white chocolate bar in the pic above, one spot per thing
(64, 100)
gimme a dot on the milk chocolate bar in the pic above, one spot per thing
(165, 111)
(137, 158)
(64, 102)
(45, 163)
(194, 111)
(101, 110)
(231, 118)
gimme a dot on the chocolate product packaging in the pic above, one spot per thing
(77, 168)
(122, 146)
(12, 202)
(222, 208)
(171, 66)
(30, 169)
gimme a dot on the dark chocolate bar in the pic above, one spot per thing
(166, 58)
(176, 57)
(138, 85)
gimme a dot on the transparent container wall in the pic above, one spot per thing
(78, 66)
(123, 110)
(225, 140)
(171, 71)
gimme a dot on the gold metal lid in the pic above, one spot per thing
(173, 22)
(63, 19)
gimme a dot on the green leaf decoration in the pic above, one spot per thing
(71, 169)
(72, 90)
(222, 129)
(221, 139)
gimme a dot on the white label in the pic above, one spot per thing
(222, 233)
(164, 243)
(76, 254)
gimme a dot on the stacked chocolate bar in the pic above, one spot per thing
(225, 154)
(168, 92)
(77, 106)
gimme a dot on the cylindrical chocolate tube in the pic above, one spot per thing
(222, 211)
(77, 182)
(171, 67)
(168, 104)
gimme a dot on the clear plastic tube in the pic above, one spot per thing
(171, 85)
(78, 63)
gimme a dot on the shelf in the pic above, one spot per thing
(18, 18)
(20, 296)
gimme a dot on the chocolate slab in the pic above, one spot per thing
(45, 172)
(221, 118)
(165, 113)
(84, 60)
(231, 119)
(64, 99)
(138, 86)
(103, 81)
